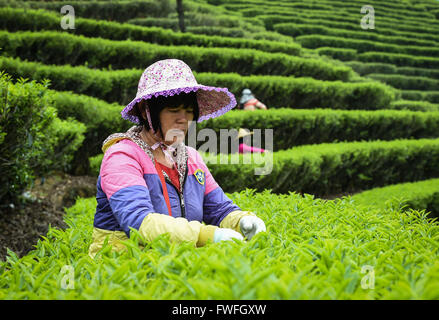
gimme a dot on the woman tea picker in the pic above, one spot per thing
(151, 181)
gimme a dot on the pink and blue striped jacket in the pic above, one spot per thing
(129, 188)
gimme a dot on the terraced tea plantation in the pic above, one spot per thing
(351, 199)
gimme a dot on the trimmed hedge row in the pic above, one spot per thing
(344, 16)
(325, 169)
(343, 54)
(344, 22)
(386, 68)
(334, 168)
(407, 82)
(414, 105)
(352, 8)
(414, 12)
(422, 195)
(301, 127)
(409, 71)
(112, 86)
(101, 120)
(430, 96)
(106, 10)
(297, 29)
(262, 5)
(121, 85)
(37, 20)
(58, 48)
(328, 5)
(399, 59)
(315, 41)
(290, 127)
(233, 32)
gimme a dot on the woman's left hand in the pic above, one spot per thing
(251, 225)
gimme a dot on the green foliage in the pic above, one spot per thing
(56, 48)
(342, 54)
(276, 91)
(399, 59)
(422, 23)
(372, 67)
(430, 96)
(95, 164)
(33, 139)
(66, 137)
(25, 112)
(100, 118)
(346, 30)
(422, 195)
(315, 41)
(414, 105)
(406, 31)
(18, 19)
(328, 169)
(407, 82)
(300, 127)
(118, 85)
(106, 10)
(313, 249)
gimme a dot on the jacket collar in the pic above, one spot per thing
(179, 155)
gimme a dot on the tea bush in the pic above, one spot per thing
(348, 23)
(399, 59)
(429, 96)
(106, 10)
(303, 92)
(32, 139)
(414, 105)
(407, 82)
(386, 68)
(315, 41)
(349, 20)
(344, 30)
(421, 195)
(329, 168)
(324, 169)
(57, 48)
(313, 249)
(12, 19)
(293, 127)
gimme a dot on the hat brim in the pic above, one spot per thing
(244, 135)
(212, 101)
(246, 98)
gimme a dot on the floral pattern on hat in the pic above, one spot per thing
(171, 77)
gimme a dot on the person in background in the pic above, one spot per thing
(152, 182)
(243, 148)
(249, 102)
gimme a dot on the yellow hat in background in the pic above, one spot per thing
(243, 132)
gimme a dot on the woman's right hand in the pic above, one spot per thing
(224, 234)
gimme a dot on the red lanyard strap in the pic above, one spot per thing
(165, 189)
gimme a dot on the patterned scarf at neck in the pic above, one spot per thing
(179, 154)
(169, 151)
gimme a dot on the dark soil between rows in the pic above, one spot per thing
(21, 227)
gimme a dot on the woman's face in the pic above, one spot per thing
(175, 123)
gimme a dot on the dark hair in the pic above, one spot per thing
(157, 104)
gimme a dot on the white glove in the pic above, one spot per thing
(251, 225)
(223, 234)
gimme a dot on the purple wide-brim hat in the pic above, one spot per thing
(171, 77)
